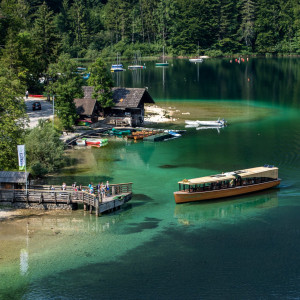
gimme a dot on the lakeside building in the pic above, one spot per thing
(10, 181)
(128, 109)
(14, 180)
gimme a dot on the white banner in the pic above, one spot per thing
(22, 157)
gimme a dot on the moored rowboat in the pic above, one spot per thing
(96, 141)
(80, 142)
(227, 184)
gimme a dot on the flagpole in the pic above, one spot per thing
(26, 178)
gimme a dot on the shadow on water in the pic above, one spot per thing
(142, 197)
(148, 223)
(217, 258)
(168, 166)
(227, 209)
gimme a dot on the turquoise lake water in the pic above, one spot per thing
(240, 248)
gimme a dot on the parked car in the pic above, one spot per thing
(36, 106)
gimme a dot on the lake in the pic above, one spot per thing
(240, 248)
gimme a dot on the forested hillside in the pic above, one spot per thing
(35, 33)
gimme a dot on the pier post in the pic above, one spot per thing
(97, 206)
(113, 192)
(91, 208)
(84, 207)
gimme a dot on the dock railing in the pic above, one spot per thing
(43, 194)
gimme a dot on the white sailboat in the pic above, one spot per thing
(163, 63)
(196, 60)
(118, 67)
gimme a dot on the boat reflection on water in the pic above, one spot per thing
(231, 211)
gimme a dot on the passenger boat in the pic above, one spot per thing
(95, 141)
(227, 184)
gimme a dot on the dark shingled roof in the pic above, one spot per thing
(85, 106)
(13, 177)
(131, 97)
(123, 97)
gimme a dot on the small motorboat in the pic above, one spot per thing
(80, 142)
(113, 70)
(136, 67)
(173, 133)
(196, 60)
(219, 123)
(193, 123)
(95, 141)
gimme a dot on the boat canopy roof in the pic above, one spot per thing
(265, 171)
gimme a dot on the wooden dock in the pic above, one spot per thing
(43, 197)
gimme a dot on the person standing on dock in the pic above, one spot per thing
(102, 190)
(64, 186)
(26, 95)
(107, 188)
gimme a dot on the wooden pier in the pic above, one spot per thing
(44, 197)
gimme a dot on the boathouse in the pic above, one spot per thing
(87, 109)
(10, 181)
(128, 108)
(13, 180)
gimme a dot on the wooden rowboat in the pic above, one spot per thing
(227, 184)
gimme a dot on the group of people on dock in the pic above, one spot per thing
(101, 188)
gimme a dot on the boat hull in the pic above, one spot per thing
(91, 142)
(184, 197)
(162, 64)
(135, 67)
(211, 123)
(80, 142)
(196, 60)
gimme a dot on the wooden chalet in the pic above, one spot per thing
(13, 180)
(87, 109)
(129, 105)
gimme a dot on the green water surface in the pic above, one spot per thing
(240, 248)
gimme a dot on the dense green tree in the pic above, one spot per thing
(45, 38)
(86, 28)
(78, 25)
(45, 150)
(12, 118)
(101, 80)
(267, 26)
(247, 23)
(66, 85)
